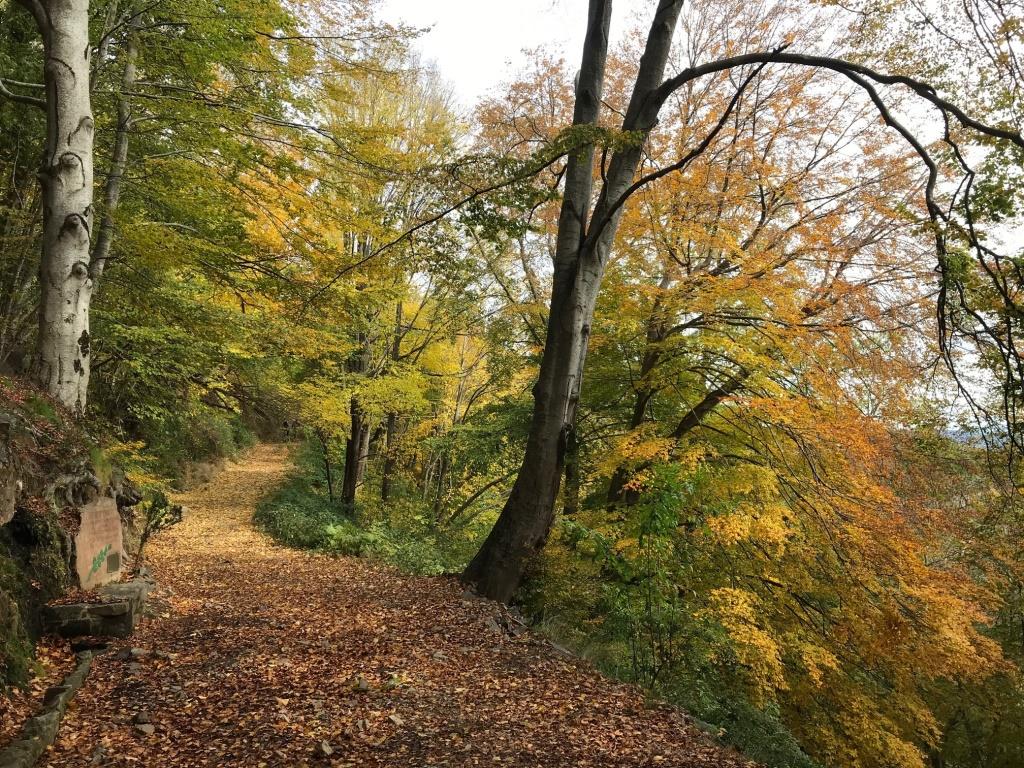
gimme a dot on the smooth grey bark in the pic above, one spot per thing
(585, 234)
(69, 267)
(63, 346)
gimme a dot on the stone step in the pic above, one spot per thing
(115, 617)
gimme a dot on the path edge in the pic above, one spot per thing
(40, 731)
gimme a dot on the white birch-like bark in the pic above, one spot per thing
(63, 350)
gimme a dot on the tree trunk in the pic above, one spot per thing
(580, 256)
(391, 429)
(620, 477)
(357, 445)
(657, 332)
(355, 455)
(63, 345)
(364, 451)
(388, 471)
(328, 471)
(442, 479)
(119, 157)
(617, 491)
(571, 493)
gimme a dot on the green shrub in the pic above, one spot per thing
(300, 514)
(176, 438)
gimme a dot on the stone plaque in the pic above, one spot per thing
(99, 548)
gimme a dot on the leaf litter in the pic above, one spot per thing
(264, 657)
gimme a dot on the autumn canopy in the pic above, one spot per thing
(699, 344)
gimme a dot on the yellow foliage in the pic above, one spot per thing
(755, 646)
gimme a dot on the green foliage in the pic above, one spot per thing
(273, 270)
(627, 595)
(43, 409)
(301, 515)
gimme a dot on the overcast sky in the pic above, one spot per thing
(477, 43)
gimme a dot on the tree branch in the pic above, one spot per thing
(33, 101)
(843, 67)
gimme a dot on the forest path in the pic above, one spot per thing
(262, 656)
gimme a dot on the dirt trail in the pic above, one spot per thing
(262, 656)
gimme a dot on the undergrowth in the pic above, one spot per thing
(573, 600)
(301, 514)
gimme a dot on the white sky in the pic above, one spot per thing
(478, 43)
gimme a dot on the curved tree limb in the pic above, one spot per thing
(33, 101)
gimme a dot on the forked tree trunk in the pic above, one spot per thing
(63, 347)
(583, 244)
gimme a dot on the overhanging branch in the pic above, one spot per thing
(10, 95)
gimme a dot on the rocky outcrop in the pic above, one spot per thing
(10, 484)
(61, 517)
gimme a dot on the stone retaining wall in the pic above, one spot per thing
(40, 731)
(116, 617)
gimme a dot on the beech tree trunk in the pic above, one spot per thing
(388, 471)
(391, 430)
(357, 446)
(119, 156)
(585, 235)
(63, 347)
(325, 449)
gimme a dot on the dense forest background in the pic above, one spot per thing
(788, 500)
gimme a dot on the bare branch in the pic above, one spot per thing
(33, 101)
(847, 68)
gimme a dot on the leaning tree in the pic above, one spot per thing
(592, 205)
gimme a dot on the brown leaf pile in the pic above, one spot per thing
(261, 656)
(54, 662)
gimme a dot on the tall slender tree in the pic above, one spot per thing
(586, 231)
(67, 274)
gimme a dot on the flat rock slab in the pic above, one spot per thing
(116, 617)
